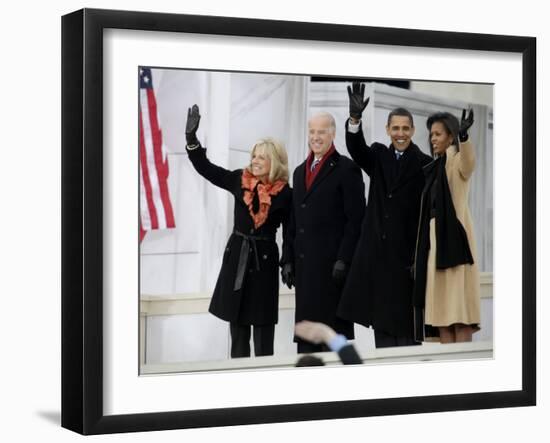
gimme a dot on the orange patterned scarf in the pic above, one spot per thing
(265, 191)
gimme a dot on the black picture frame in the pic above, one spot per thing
(82, 218)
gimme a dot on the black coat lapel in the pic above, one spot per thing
(326, 169)
(387, 161)
(410, 166)
(299, 184)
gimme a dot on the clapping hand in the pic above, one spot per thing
(314, 332)
(356, 93)
(466, 121)
(193, 119)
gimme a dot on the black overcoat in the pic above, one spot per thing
(378, 289)
(256, 301)
(327, 222)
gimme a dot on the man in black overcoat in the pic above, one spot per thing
(379, 286)
(328, 206)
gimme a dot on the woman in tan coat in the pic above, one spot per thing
(446, 294)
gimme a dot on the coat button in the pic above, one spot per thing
(389, 196)
(265, 257)
(386, 216)
(249, 249)
(383, 236)
(301, 230)
(301, 255)
(303, 205)
(252, 231)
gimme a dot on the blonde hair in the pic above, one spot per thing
(278, 157)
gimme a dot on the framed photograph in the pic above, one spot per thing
(144, 235)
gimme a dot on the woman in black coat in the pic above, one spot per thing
(247, 290)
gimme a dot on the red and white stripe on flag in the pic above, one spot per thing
(155, 206)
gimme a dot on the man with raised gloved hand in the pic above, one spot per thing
(378, 291)
(328, 206)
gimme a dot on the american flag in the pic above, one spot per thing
(155, 206)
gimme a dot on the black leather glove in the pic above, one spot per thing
(193, 119)
(466, 121)
(356, 104)
(287, 274)
(339, 272)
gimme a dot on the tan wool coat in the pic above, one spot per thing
(453, 295)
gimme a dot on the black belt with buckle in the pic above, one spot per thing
(248, 244)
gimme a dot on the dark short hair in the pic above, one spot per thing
(449, 121)
(309, 360)
(401, 112)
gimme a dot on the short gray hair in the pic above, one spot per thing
(328, 116)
